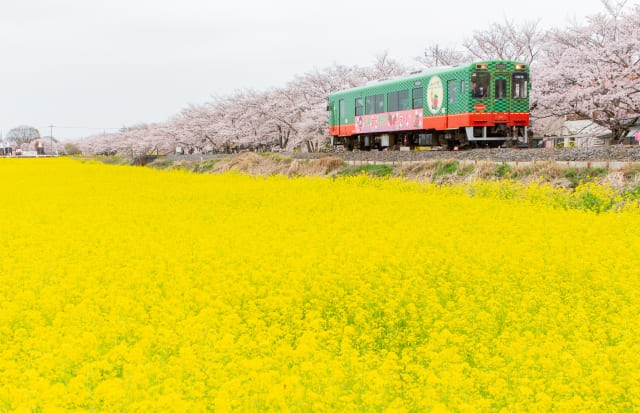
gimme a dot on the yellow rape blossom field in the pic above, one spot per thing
(131, 289)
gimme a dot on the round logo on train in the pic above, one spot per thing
(435, 95)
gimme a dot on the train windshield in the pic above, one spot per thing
(519, 85)
(480, 84)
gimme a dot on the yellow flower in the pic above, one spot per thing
(131, 289)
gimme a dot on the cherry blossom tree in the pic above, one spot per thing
(506, 41)
(435, 56)
(290, 117)
(311, 91)
(385, 67)
(96, 144)
(200, 128)
(174, 135)
(592, 71)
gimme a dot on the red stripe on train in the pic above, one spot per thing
(445, 122)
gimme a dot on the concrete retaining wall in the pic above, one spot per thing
(610, 165)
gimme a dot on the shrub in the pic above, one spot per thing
(71, 149)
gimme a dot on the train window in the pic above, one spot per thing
(403, 100)
(417, 98)
(519, 85)
(359, 107)
(369, 105)
(392, 101)
(452, 91)
(501, 88)
(480, 84)
(379, 103)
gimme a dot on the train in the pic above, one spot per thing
(479, 104)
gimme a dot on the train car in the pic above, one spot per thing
(473, 105)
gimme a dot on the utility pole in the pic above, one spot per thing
(51, 126)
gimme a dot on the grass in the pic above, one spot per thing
(276, 156)
(435, 171)
(502, 171)
(633, 193)
(446, 168)
(577, 175)
(373, 170)
(205, 166)
(107, 159)
(466, 170)
(161, 164)
(631, 172)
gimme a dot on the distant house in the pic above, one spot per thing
(584, 133)
(563, 132)
(633, 137)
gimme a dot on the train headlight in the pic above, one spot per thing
(481, 66)
(521, 67)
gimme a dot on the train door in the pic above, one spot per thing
(501, 89)
(341, 129)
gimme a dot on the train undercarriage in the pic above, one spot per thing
(499, 135)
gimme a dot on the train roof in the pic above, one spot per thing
(417, 75)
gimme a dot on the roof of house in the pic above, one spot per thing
(584, 128)
(632, 131)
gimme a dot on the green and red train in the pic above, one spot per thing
(478, 104)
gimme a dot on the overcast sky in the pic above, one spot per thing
(93, 66)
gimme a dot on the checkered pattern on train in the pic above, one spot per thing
(499, 105)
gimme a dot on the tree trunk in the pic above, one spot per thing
(311, 146)
(283, 137)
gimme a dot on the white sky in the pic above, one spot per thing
(89, 66)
